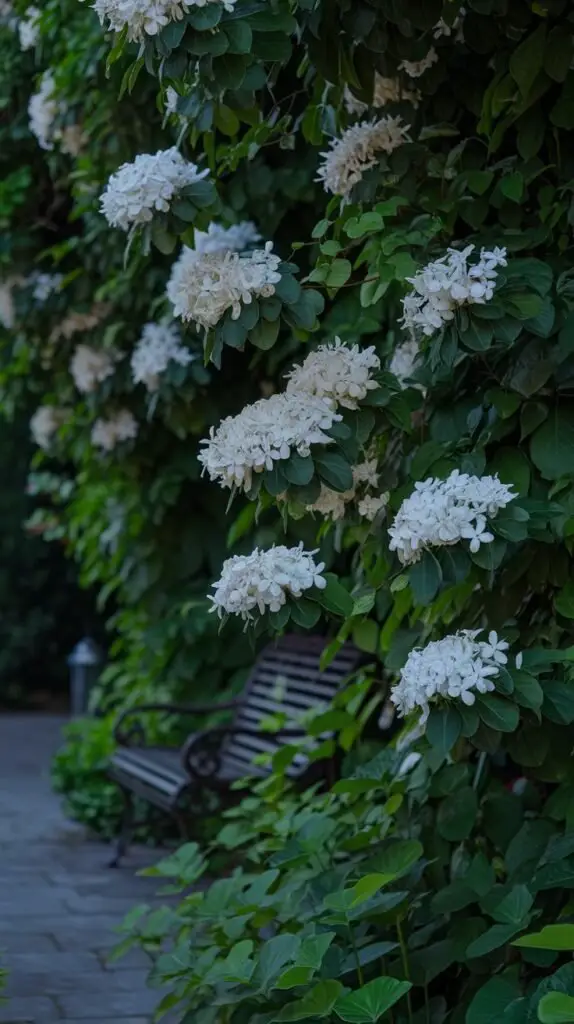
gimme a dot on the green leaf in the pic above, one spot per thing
(558, 701)
(453, 897)
(367, 887)
(552, 445)
(264, 334)
(425, 578)
(489, 1003)
(556, 1008)
(558, 54)
(368, 1004)
(229, 70)
(339, 273)
(274, 480)
(320, 228)
(239, 35)
(294, 976)
(527, 690)
(478, 336)
(554, 936)
(305, 613)
(497, 713)
(514, 907)
(161, 238)
(443, 728)
(273, 956)
(512, 467)
(494, 938)
(226, 120)
(357, 226)
(398, 857)
(366, 636)
(479, 181)
(564, 601)
(298, 470)
(527, 59)
(457, 814)
(318, 1002)
(313, 949)
(512, 186)
(205, 18)
(334, 470)
(334, 597)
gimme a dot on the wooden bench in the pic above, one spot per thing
(286, 680)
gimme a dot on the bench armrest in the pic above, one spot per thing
(201, 754)
(135, 733)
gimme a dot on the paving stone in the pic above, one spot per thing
(135, 957)
(29, 942)
(106, 1020)
(109, 1004)
(118, 905)
(50, 973)
(60, 904)
(32, 1009)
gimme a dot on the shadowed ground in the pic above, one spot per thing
(59, 902)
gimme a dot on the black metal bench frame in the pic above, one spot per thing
(178, 780)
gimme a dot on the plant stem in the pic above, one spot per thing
(405, 960)
(356, 954)
(479, 769)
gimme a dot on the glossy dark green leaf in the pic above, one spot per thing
(368, 1004)
(425, 578)
(443, 728)
(298, 470)
(456, 815)
(334, 470)
(497, 713)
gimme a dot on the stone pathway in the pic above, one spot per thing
(59, 902)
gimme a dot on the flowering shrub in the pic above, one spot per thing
(150, 183)
(432, 237)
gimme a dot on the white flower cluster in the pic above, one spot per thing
(458, 666)
(44, 424)
(106, 434)
(29, 28)
(263, 580)
(218, 240)
(149, 183)
(443, 29)
(7, 15)
(7, 310)
(90, 366)
(204, 286)
(385, 90)
(270, 429)
(356, 152)
(147, 17)
(447, 283)
(43, 110)
(416, 68)
(404, 361)
(340, 373)
(443, 512)
(171, 99)
(44, 285)
(158, 345)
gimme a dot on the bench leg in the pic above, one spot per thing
(126, 830)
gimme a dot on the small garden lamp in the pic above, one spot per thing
(85, 663)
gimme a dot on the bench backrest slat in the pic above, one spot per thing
(286, 679)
